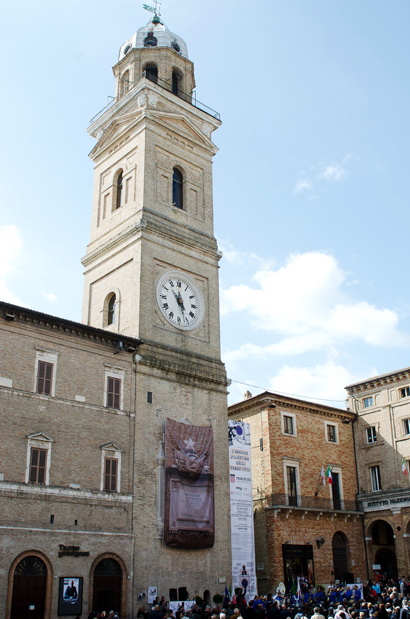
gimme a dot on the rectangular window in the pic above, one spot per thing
(292, 485)
(375, 478)
(406, 426)
(337, 503)
(114, 392)
(371, 434)
(44, 378)
(368, 402)
(38, 462)
(405, 392)
(110, 474)
(288, 424)
(331, 433)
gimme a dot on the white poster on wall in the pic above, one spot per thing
(242, 533)
(152, 594)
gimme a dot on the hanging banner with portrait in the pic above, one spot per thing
(242, 531)
(189, 486)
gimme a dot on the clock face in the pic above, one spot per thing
(180, 300)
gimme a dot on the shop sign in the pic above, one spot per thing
(71, 551)
(386, 503)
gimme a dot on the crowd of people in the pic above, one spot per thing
(381, 599)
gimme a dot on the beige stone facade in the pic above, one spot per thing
(302, 526)
(382, 440)
(137, 235)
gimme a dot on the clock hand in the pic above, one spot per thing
(180, 301)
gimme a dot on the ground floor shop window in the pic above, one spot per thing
(298, 562)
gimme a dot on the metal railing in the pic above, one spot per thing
(191, 99)
(311, 502)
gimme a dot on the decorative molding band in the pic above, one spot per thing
(50, 491)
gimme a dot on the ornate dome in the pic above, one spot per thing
(154, 34)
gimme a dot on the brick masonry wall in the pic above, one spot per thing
(308, 449)
(122, 525)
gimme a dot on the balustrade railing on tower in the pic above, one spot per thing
(166, 85)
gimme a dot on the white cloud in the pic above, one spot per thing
(302, 185)
(304, 302)
(236, 257)
(51, 297)
(332, 172)
(10, 248)
(325, 381)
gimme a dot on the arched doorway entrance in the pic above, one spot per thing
(387, 561)
(339, 547)
(29, 589)
(207, 597)
(383, 546)
(107, 586)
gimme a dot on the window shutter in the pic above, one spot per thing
(38, 461)
(33, 465)
(40, 377)
(113, 475)
(110, 474)
(117, 392)
(110, 392)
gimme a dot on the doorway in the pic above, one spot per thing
(29, 589)
(339, 547)
(107, 586)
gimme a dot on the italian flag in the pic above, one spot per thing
(329, 474)
(404, 466)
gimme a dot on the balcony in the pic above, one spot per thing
(287, 504)
(165, 85)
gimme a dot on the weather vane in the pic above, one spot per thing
(152, 9)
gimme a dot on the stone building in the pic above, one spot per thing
(84, 406)
(382, 440)
(302, 527)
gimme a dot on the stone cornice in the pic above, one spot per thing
(127, 100)
(13, 313)
(162, 226)
(64, 401)
(380, 381)
(41, 492)
(272, 400)
(187, 367)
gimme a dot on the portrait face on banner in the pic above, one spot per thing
(70, 599)
(189, 486)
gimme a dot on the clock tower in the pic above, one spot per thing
(151, 272)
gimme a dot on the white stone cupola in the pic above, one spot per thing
(159, 54)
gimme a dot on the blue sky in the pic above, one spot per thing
(311, 184)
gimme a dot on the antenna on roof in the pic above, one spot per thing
(152, 9)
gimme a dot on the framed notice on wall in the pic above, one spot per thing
(70, 595)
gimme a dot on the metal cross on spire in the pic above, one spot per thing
(152, 9)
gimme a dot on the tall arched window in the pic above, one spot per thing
(125, 82)
(111, 310)
(177, 185)
(118, 203)
(151, 72)
(175, 83)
